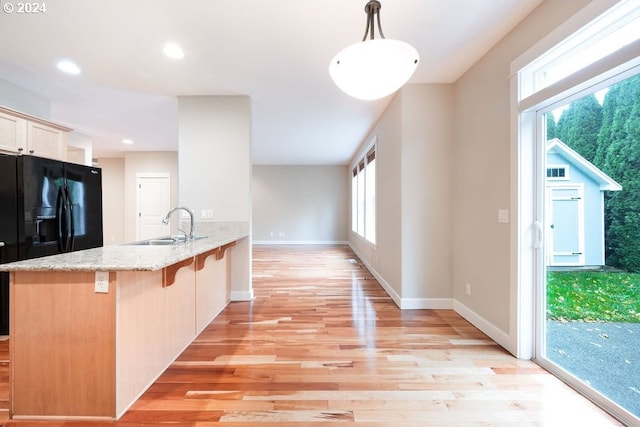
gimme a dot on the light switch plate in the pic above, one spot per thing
(503, 216)
(102, 282)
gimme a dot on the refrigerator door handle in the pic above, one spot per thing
(60, 210)
(72, 226)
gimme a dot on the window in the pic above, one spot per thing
(360, 196)
(370, 197)
(610, 32)
(363, 195)
(557, 172)
(354, 200)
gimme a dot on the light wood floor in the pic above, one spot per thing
(323, 345)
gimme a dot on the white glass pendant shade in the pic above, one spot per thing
(373, 69)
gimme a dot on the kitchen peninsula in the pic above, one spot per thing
(91, 330)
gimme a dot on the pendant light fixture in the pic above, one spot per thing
(373, 68)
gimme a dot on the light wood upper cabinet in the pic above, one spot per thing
(13, 132)
(46, 141)
(24, 134)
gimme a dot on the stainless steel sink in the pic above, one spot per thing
(165, 241)
(155, 242)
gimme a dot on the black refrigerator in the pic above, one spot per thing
(47, 207)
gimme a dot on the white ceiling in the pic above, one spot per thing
(277, 52)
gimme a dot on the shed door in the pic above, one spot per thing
(566, 219)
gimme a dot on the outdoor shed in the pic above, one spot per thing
(574, 207)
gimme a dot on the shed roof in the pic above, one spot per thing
(604, 181)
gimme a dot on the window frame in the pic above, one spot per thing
(361, 199)
(559, 167)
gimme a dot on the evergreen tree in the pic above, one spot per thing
(605, 135)
(619, 140)
(579, 125)
(551, 126)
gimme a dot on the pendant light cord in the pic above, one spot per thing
(372, 8)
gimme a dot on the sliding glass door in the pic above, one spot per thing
(578, 154)
(588, 320)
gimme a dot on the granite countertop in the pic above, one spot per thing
(125, 257)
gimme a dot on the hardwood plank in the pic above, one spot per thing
(323, 345)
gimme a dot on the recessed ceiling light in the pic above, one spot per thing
(127, 141)
(172, 50)
(68, 67)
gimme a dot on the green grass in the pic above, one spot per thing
(593, 296)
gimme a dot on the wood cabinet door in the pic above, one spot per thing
(13, 133)
(45, 141)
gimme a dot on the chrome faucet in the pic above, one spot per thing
(191, 234)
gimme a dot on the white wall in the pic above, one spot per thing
(385, 258)
(301, 204)
(145, 162)
(414, 170)
(214, 135)
(112, 200)
(119, 190)
(79, 148)
(427, 171)
(215, 158)
(482, 180)
(20, 99)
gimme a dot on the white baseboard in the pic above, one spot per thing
(241, 295)
(300, 242)
(426, 303)
(496, 334)
(405, 303)
(386, 286)
(475, 319)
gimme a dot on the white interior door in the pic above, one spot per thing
(153, 202)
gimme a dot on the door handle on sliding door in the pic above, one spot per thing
(539, 234)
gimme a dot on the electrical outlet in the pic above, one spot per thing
(468, 285)
(102, 282)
